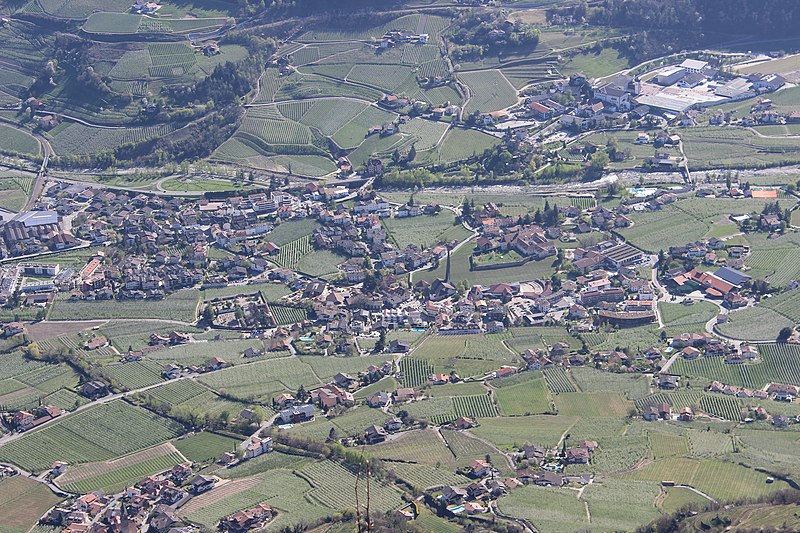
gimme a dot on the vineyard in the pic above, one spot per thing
(284, 315)
(557, 380)
(780, 363)
(721, 406)
(415, 371)
(490, 91)
(100, 433)
(333, 487)
(136, 374)
(276, 131)
(115, 475)
(176, 392)
(291, 253)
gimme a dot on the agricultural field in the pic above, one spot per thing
(592, 404)
(15, 188)
(715, 148)
(721, 480)
(17, 141)
(467, 355)
(526, 397)
(460, 270)
(776, 363)
(425, 231)
(489, 91)
(97, 434)
(557, 380)
(284, 490)
(22, 502)
(180, 306)
(512, 433)
(77, 139)
(461, 144)
(113, 476)
(205, 446)
(262, 379)
(556, 510)
(591, 380)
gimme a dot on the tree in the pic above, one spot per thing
(301, 395)
(380, 346)
(784, 334)
(598, 162)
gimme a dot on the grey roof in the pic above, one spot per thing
(38, 218)
(732, 276)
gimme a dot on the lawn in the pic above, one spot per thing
(22, 502)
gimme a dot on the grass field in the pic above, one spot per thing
(15, 187)
(550, 510)
(424, 231)
(511, 433)
(467, 355)
(96, 434)
(22, 502)
(592, 404)
(461, 144)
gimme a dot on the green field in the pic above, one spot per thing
(180, 306)
(525, 397)
(15, 188)
(119, 478)
(425, 231)
(17, 141)
(721, 480)
(22, 502)
(96, 434)
(205, 446)
(490, 91)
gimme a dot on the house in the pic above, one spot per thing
(667, 381)
(393, 424)
(14, 328)
(664, 411)
(404, 394)
(479, 468)
(375, 434)
(255, 446)
(297, 414)
(780, 421)
(686, 414)
(451, 495)
(248, 519)
(650, 413)
(379, 399)
(216, 363)
(463, 422)
(577, 456)
(94, 389)
(201, 483)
